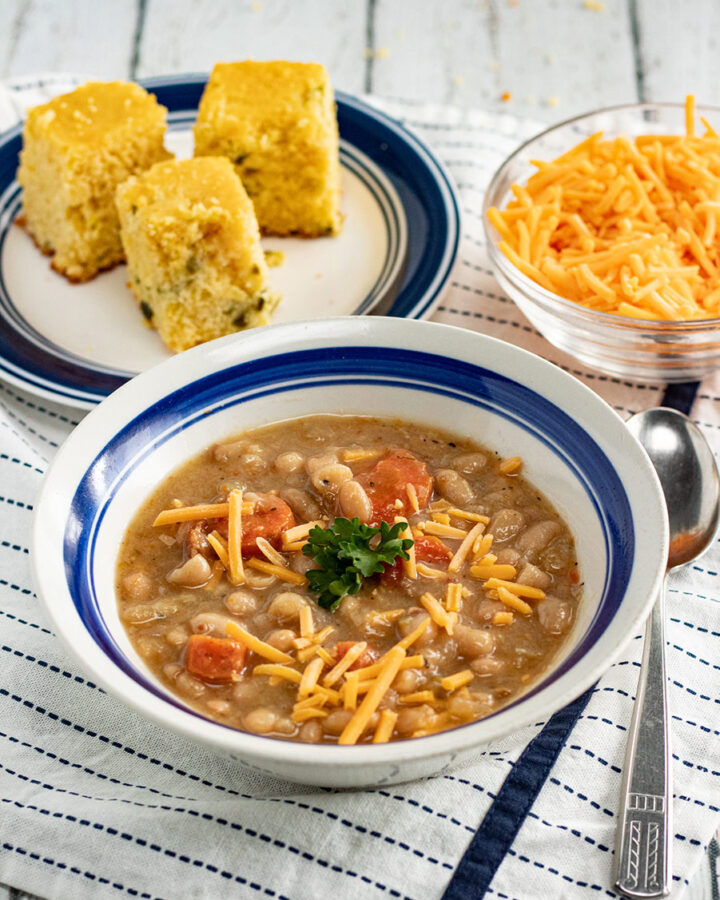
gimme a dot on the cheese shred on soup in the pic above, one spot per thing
(347, 580)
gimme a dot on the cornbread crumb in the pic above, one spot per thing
(192, 243)
(274, 258)
(77, 148)
(275, 121)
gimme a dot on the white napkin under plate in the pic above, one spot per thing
(97, 803)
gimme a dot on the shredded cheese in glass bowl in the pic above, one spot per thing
(603, 229)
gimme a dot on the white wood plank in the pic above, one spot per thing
(192, 35)
(71, 36)
(679, 49)
(439, 52)
(555, 59)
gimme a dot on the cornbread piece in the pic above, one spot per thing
(276, 122)
(193, 251)
(76, 150)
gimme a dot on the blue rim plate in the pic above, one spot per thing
(416, 202)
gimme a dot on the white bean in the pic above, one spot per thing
(289, 463)
(209, 623)
(555, 615)
(313, 463)
(281, 639)
(354, 502)
(229, 451)
(408, 680)
(285, 607)
(260, 720)
(336, 721)
(253, 464)
(311, 732)
(537, 536)
(241, 603)
(534, 577)
(327, 479)
(194, 573)
(414, 717)
(177, 636)
(505, 524)
(453, 487)
(470, 463)
(473, 641)
(137, 586)
(302, 504)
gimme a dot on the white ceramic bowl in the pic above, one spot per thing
(574, 447)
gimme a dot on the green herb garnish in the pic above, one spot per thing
(347, 552)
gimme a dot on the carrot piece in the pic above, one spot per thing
(270, 517)
(216, 660)
(386, 484)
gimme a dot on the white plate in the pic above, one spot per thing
(77, 343)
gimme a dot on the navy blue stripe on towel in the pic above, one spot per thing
(681, 396)
(509, 810)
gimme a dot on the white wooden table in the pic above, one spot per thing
(545, 59)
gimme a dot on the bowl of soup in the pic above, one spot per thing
(349, 552)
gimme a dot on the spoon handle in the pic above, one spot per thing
(642, 847)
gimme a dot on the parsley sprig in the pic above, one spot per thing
(349, 551)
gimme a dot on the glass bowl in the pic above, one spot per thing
(643, 350)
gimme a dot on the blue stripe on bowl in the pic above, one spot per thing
(422, 184)
(293, 371)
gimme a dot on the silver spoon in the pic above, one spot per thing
(688, 474)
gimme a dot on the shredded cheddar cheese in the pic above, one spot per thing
(417, 697)
(385, 727)
(283, 574)
(412, 496)
(521, 590)
(513, 601)
(195, 513)
(458, 680)
(307, 626)
(492, 570)
(510, 466)
(310, 677)
(277, 671)
(219, 545)
(624, 226)
(409, 565)
(470, 516)
(269, 552)
(234, 544)
(453, 598)
(358, 723)
(352, 655)
(462, 551)
(482, 545)
(431, 572)
(256, 645)
(441, 530)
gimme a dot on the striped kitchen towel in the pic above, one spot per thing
(97, 803)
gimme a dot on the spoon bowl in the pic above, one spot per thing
(688, 474)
